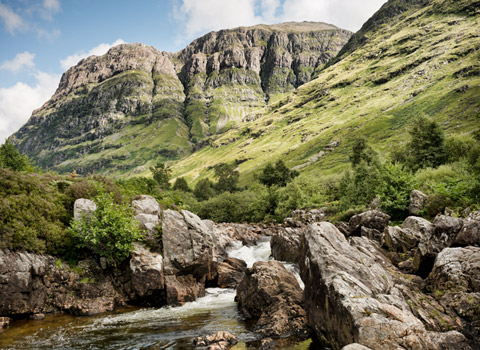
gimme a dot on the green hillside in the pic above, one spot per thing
(411, 60)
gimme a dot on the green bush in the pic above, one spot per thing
(11, 159)
(277, 174)
(181, 185)
(109, 232)
(396, 183)
(459, 146)
(34, 214)
(204, 190)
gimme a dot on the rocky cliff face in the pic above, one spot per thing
(135, 104)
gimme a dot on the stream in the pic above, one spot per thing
(171, 328)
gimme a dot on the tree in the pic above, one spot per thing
(361, 151)
(109, 231)
(426, 147)
(277, 174)
(227, 177)
(161, 174)
(204, 190)
(12, 159)
(181, 185)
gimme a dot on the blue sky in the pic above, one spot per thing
(40, 39)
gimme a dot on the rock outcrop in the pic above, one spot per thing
(363, 224)
(271, 295)
(148, 215)
(230, 272)
(83, 207)
(147, 276)
(33, 284)
(188, 251)
(353, 294)
(286, 244)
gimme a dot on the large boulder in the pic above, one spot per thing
(417, 202)
(455, 281)
(470, 232)
(271, 295)
(372, 219)
(286, 244)
(353, 294)
(147, 275)
(441, 235)
(188, 250)
(230, 272)
(145, 204)
(83, 207)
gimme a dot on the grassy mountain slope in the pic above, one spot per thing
(420, 60)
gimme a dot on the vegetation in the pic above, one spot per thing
(11, 159)
(161, 174)
(109, 231)
(277, 174)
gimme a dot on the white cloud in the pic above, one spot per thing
(52, 5)
(18, 101)
(12, 21)
(199, 17)
(21, 60)
(97, 51)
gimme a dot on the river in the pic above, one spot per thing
(171, 328)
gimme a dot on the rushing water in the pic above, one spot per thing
(153, 329)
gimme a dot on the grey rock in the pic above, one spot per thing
(221, 339)
(147, 274)
(417, 202)
(272, 296)
(146, 204)
(83, 207)
(372, 219)
(286, 244)
(470, 232)
(355, 346)
(353, 294)
(230, 272)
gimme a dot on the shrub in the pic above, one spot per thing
(109, 232)
(396, 183)
(161, 174)
(227, 177)
(11, 159)
(204, 190)
(277, 174)
(181, 185)
(459, 147)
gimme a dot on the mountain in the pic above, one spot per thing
(411, 58)
(135, 105)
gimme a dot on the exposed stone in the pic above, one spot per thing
(286, 243)
(372, 219)
(271, 295)
(221, 340)
(343, 227)
(230, 272)
(83, 207)
(183, 288)
(92, 306)
(353, 294)
(355, 346)
(469, 234)
(402, 240)
(443, 233)
(455, 281)
(417, 202)
(147, 275)
(146, 204)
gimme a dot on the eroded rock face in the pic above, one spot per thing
(271, 294)
(353, 294)
(34, 284)
(470, 232)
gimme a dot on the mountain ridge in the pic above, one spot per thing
(191, 95)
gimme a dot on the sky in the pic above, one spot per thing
(41, 39)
